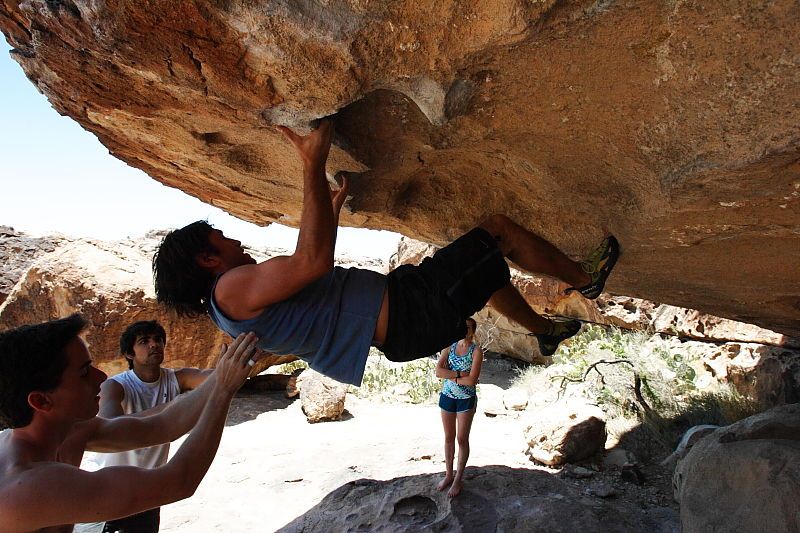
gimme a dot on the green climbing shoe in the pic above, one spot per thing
(599, 265)
(560, 330)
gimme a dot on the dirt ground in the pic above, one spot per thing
(273, 466)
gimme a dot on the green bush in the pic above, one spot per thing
(382, 375)
(290, 368)
(671, 402)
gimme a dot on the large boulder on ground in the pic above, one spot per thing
(743, 477)
(322, 398)
(17, 252)
(672, 125)
(565, 432)
(767, 375)
(495, 498)
(111, 285)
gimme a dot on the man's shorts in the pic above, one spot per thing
(429, 302)
(144, 522)
(453, 405)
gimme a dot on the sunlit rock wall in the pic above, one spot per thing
(674, 125)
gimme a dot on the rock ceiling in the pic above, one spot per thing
(674, 125)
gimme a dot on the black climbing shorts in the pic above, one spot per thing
(429, 302)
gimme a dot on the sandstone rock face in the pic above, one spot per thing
(17, 252)
(672, 125)
(547, 296)
(743, 477)
(111, 285)
(495, 498)
(565, 432)
(322, 397)
(768, 375)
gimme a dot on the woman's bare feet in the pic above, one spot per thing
(448, 479)
(455, 490)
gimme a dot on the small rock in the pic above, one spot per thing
(632, 474)
(491, 400)
(566, 432)
(492, 407)
(603, 490)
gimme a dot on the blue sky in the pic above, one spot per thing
(57, 177)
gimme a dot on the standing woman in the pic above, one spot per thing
(460, 366)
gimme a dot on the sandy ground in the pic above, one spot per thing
(273, 466)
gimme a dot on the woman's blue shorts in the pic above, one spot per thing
(452, 405)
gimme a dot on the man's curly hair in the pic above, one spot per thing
(181, 284)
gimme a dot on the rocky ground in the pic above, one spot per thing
(275, 470)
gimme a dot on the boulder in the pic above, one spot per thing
(565, 432)
(495, 498)
(768, 375)
(743, 477)
(671, 125)
(111, 285)
(689, 439)
(17, 252)
(322, 398)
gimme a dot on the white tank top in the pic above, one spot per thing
(139, 396)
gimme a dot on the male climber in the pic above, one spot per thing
(302, 305)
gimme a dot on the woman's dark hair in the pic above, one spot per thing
(32, 358)
(136, 330)
(182, 284)
(474, 324)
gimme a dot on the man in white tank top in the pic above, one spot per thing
(142, 388)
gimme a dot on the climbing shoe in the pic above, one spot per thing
(560, 330)
(598, 265)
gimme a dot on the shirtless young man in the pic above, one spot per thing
(305, 306)
(49, 397)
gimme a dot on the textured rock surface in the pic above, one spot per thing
(546, 296)
(17, 252)
(565, 432)
(771, 376)
(322, 398)
(496, 498)
(767, 374)
(673, 125)
(111, 285)
(743, 477)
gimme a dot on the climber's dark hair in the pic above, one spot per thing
(181, 284)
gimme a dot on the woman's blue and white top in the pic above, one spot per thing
(463, 364)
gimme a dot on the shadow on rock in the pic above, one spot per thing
(495, 498)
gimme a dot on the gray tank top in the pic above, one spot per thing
(329, 323)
